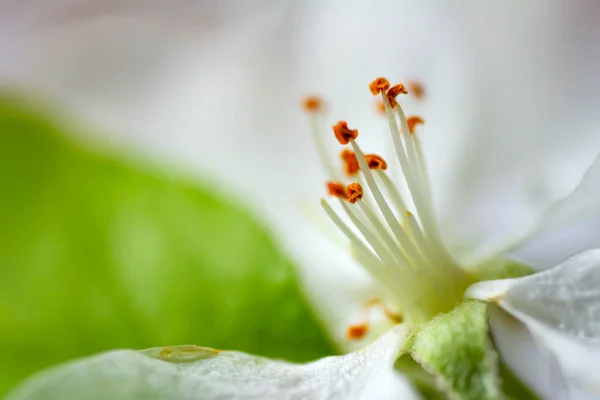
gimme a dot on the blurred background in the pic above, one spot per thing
(150, 150)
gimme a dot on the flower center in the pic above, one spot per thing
(400, 248)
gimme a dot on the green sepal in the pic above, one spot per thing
(458, 359)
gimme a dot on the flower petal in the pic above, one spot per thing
(561, 308)
(517, 116)
(519, 351)
(570, 225)
(191, 372)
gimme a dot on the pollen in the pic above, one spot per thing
(414, 121)
(336, 189)
(357, 332)
(375, 162)
(417, 89)
(354, 192)
(380, 107)
(351, 166)
(379, 85)
(344, 134)
(312, 104)
(395, 91)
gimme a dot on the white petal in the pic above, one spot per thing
(581, 203)
(519, 155)
(569, 226)
(207, 374)
(520, 353)
(561, 308)
(547, 249)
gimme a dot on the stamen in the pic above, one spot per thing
(412, 121)
(344, 134)
(403, 251)
(393, 92)
(396, 251)
(410, 170)
(354, 192)
(357, 332)
(312, 104)
(391, 315)
(392, 191)
(388, 215)
(351, 166)
(371, 262)
(379, 85)
(336, 189)
(375, 162)
(417, 89)
(427, 251)
(383, 251)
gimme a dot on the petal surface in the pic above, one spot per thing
(517, 158)
(191, 372)
(520, 352)
(561, 309)
(570, 225)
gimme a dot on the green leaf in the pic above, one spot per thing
(101, 252)
(455, 348)
(189, 372)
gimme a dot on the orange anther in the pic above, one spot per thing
(379, 85)
(354, 192)
(375, 162)
(395, 91)
(312, 104)
(336, 189)
(357, 332)
(417, 89)
(351, 166)
(413, 121)
(391, 315)
(344, 134)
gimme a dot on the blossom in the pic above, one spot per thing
(482, 197)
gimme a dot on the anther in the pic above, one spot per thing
(351, 166)
(354, 192)
(417, 89)
(312, 104)
(391, 315)
(344, 134)
(379, 85)
(395, 91)
(413, 121)
(375, 162)
(336, 189)
(357, 332)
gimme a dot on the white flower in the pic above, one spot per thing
(510, 108)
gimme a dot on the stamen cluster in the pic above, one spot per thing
(401, 248)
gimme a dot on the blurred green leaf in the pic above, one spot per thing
(99, 253)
